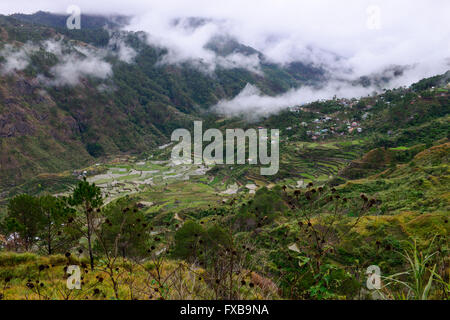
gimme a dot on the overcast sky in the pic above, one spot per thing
(367, 35)
(406, 32)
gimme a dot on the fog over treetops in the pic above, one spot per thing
(401, 41)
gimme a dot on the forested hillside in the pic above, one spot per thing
(50, 123)
(87, 179)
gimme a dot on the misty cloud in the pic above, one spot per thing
(413, 33)
(118, 47)
(72, 68)
(74, 62)
(16, 59)
(187, 41)
(333, 35)
(251, 103)
(328, 34)
(238, 60)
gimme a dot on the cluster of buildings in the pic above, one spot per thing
(330, 125)
(326, 126)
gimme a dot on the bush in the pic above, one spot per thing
(186, 239)
(8, 259)
(95, 149)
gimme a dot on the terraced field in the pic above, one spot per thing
(302, 162)
(120, 180)
(156, 180)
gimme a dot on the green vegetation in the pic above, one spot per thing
(83, 182)
(313, 242)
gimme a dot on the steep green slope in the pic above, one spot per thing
(49, 128)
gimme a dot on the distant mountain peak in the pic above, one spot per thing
(88, 21)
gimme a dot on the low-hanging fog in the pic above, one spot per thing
(348, 39)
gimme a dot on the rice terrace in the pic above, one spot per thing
(233, 161)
